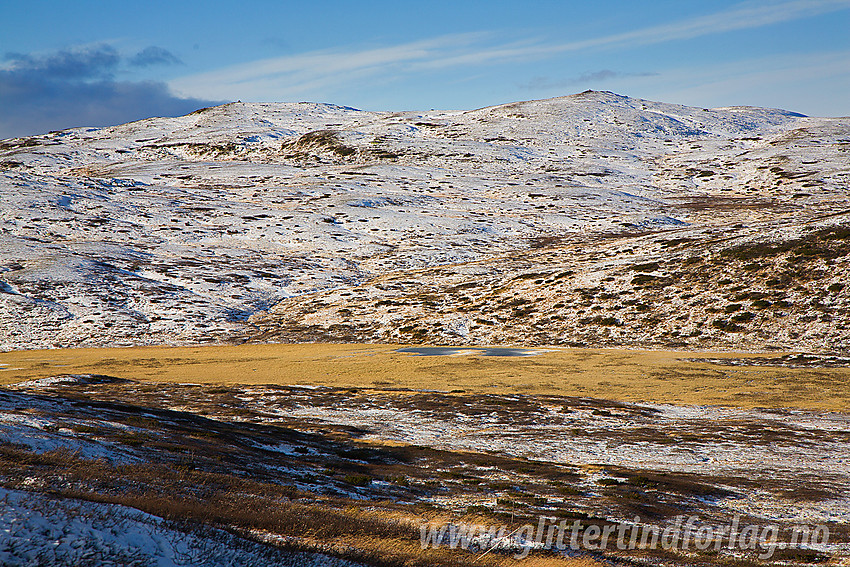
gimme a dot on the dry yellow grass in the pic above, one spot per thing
(626, 375)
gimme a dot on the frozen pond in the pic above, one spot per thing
(478, 351)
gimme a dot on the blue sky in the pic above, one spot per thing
(93, 63)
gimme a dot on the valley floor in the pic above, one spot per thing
(745, 380)
(349, 450)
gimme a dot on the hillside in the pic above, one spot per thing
(588, 220)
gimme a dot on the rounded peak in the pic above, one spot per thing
(590, 93)
(238, 105)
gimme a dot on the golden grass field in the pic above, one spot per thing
(625, 375)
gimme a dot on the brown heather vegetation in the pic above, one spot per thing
(701, 291)
(207, 456)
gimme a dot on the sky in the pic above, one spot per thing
(96, 63)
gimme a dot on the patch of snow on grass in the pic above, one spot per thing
(38, 530)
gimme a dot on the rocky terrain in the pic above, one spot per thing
(593, 219)
(352, 474)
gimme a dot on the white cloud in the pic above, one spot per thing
(810, 83)
(315, 73)
(269, 78)
(744, 16)
(748, 15)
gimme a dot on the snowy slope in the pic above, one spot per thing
(56, 532)
(177, 230)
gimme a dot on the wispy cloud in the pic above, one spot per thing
(308, 74)
(543, 83)
(805, 83)
(300, 73)
(77, 87)
(748, 15)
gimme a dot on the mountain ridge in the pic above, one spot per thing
(250, 221)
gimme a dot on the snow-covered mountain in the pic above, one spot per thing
(584, 219)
